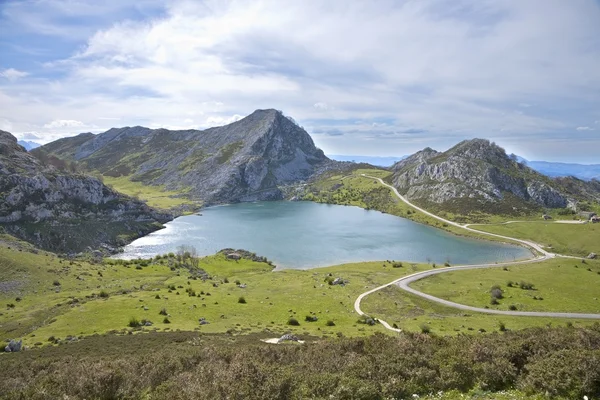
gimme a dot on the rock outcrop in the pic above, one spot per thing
(244, 161)
(474, 172)
(63, 211)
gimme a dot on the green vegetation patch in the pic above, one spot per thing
(154, 196)
(562, 238)
(561, 363)
(229, 151)
(560, 285)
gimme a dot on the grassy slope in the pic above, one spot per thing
(44, 309)
(154, 196)
(563, 284)
(570, 239)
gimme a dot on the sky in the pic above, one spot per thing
(373, 78)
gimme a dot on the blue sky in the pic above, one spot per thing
(383, 78)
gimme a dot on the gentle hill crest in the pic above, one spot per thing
(246, 160)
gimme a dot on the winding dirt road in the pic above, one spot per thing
(405, 281)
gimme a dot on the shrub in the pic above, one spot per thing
(166, 321)
(526, 285)
(293, 322)
(330, 323)
(103, 294)
(138, 267)
(501, 326)
(163, 311)
(242, 300)
(446, 264)
(237, 282)
(425, 328)
(365, 319)
(397, 265)
(311, 318)
(56, 283)
(510, 283)
(157, 297)
(494, 301)
(512, 307)
(496, 292)
(134, 323)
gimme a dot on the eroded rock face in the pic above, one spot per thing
(474, 169)
(46, 206)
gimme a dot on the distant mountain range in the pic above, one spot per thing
(554, 169)
(373, 160)
(28, 145)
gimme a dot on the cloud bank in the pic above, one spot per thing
(384, 78)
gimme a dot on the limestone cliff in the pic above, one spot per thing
(63, 211)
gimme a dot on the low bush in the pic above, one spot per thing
(526, 285)
(134, 323)
(330, 323)
(103, 294)
(242, 300)
(293, 322)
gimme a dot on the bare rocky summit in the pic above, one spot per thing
(64, 211)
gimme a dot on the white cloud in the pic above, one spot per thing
(321, 106)
(64, 123)
(219, 121)
(450, 69)
(584, 128)
(13, 74)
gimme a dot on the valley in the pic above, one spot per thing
(175, 282)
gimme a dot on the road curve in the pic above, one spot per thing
(404, 281)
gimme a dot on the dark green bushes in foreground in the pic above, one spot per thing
(562, 362)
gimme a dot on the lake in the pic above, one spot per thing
(306, 235)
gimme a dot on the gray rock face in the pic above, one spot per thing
(14, 346)
(475, 169)
(38, 201)
(244, 161)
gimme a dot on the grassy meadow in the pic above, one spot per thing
(154, 196)
(569, 239)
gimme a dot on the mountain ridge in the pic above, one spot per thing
(250, 159)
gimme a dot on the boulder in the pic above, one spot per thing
(592, 256)
(288, 337)
(233, 256)
(14, 346)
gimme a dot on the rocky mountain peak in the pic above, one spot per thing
(481, 149)
(417, 158)
(474, 174)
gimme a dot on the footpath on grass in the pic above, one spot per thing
(404, 282)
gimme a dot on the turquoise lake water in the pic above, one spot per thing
(306, 235)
